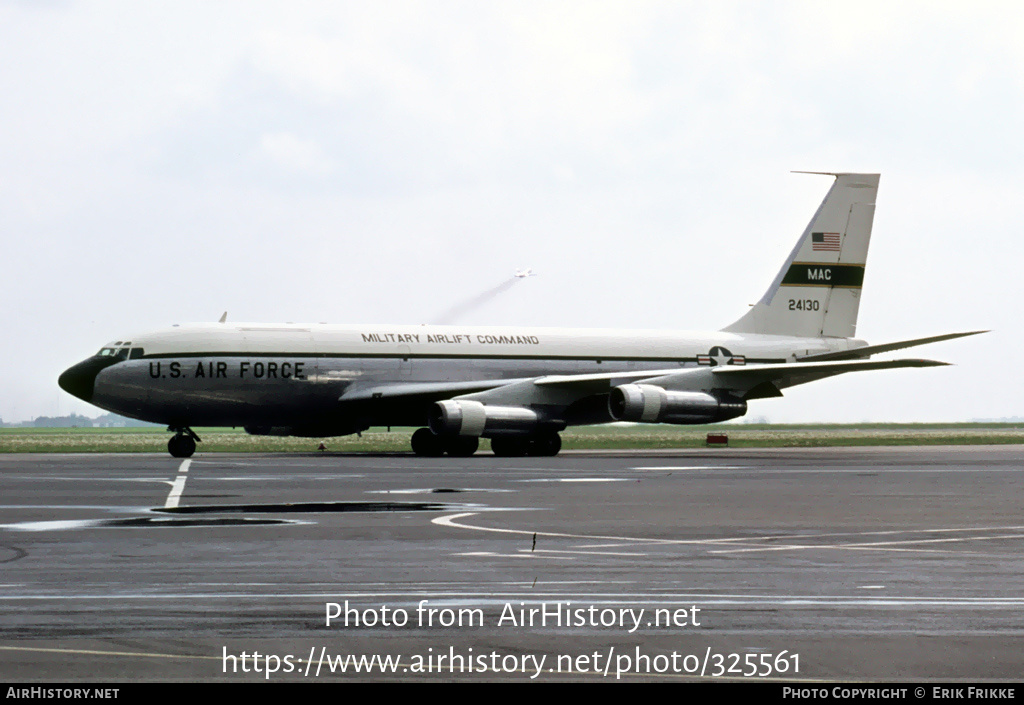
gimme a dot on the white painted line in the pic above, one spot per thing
(584, 553)
(490, 597)
(749, 545)
(690, 467)
(84, 479)
(450, 521)
(435, 491)
(275, 478)
(527, 554)
(882, 545)
(57, 525)
(105, 653)
(580, 479)
(178, 486)
(746, 540)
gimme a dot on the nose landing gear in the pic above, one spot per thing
(183, 442)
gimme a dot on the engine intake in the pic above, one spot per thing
(471, 418)
(649, 403)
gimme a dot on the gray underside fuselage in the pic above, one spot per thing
(303, 393)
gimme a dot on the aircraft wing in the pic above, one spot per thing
(726, 376)
(426, 390)
(869, 350)
(526, 390)
(750, 381)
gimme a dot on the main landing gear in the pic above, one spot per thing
(183, 442)
(425, 442)
(546, 443)
(428, 444)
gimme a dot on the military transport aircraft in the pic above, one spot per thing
(517, 386)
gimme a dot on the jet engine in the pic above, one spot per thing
(652, 404)
(471, 418)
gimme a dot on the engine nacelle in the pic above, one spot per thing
(471, 418)
(652, 404)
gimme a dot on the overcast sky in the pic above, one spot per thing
(381, 162)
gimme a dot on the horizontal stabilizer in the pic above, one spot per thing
(869, 350)
(788, 375)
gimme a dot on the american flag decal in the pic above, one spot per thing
(825, 242)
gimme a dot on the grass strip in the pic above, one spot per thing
(154, 440)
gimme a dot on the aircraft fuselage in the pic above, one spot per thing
(306, 379)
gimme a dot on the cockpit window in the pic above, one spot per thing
(119, 353)
(136, 353)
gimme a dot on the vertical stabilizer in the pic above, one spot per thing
(817, 291)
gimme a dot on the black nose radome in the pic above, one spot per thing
(80, 379)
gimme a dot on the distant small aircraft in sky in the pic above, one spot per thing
(524, 273)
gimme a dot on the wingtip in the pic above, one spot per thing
(930, 363)
(953, 336)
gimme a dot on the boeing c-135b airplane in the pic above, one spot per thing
(519, 387)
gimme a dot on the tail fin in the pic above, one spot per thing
(817, 291)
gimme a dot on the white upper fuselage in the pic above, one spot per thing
(506, 342)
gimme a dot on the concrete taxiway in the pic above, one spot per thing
(816, 564)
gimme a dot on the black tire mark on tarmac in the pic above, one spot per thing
(19, 553)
